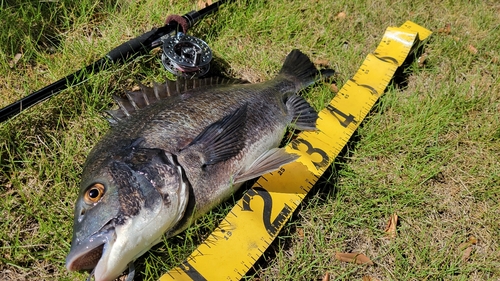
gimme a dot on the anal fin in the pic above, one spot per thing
(269, 161)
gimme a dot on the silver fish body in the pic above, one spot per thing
(176, 151)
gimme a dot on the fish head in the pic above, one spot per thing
(124, 207)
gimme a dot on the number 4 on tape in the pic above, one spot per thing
(246, 232)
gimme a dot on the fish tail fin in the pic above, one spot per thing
(299, 69)
(299, 66)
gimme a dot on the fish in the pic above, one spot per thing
(175, 151)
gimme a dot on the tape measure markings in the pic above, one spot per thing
(256, 219)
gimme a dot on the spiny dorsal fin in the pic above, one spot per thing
(161, 91)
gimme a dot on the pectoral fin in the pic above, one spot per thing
(269, 161)
(221, 140)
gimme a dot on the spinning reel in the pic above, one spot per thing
(185, 56)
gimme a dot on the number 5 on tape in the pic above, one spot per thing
(246, 232)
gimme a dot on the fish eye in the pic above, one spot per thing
(94, 193)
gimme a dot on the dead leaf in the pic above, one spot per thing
(445, 30)
(472, 49)
(300, 232)
(155, 51)
(390, 229)
(353, 257)
(203, 4)
(326, 277)
(466, 254)
(471, 241)
(369, 278)
(334, 88)
(322, 62)
(123, 277)
(421, 60)
(341, 16)
(14, 61)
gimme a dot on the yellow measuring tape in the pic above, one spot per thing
(254, 222)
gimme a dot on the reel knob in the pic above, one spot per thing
(185, 55)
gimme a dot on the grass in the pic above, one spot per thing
(428, 151)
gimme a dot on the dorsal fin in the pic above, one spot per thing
(161, 91)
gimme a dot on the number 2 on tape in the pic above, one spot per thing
(272, 227)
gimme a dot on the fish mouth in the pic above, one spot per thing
(86, 254)
(87, 260)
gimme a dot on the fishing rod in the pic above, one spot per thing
(191, 50)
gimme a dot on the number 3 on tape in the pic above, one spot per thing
(246, 232)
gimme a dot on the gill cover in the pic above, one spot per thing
(146, 193)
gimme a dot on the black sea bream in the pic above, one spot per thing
(174, 152)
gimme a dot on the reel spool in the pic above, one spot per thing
(185, 55)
